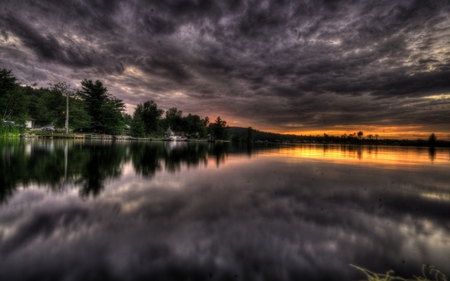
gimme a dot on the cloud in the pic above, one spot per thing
(216, 53)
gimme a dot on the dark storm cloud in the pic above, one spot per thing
(280, 55)
(166, 67)
(47, 47)
(418, 84)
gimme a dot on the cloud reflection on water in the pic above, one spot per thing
(271, 216)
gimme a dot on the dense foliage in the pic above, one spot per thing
(104, 109)
(149, 113)
(148, 121)
(93, 109)
(13, 104)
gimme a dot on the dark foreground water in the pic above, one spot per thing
(184, 211)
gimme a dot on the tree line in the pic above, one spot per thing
(250, 135)
(93, 109)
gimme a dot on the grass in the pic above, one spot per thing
(433, 275)
(8, 132)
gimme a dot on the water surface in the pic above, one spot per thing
(75, 210)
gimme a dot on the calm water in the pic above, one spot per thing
(184, 211)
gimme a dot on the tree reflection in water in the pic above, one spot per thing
(88, 165)
(272, 212)
(102, 163)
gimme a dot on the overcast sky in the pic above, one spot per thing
(284, 66)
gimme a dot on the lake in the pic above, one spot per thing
(79, 210)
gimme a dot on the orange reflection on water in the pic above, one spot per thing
(383, 155)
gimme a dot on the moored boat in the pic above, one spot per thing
(176, 138)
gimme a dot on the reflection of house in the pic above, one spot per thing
(29, 124)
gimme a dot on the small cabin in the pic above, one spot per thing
(30, 123)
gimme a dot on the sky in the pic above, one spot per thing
(301, 67)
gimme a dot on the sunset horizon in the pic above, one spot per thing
(291, 67)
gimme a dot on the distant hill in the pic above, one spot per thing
(241, 134)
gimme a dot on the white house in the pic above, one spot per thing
(29, 124)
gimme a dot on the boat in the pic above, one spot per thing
(176, 138)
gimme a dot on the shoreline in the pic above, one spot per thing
(102, 137)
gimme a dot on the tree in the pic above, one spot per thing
(63, 90)
(174, 120)
(111, 118)
(7, 87)
(194, 125)
(52, 107)
(95, 96)
(137, 126)
(13, 102)
(219, 129)
(150, 115)
(104, 110)
(360, 135)
(33, 96)
(205, 121)
(432, 139)
(79, 118)
(249, 134)
(127, 118)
